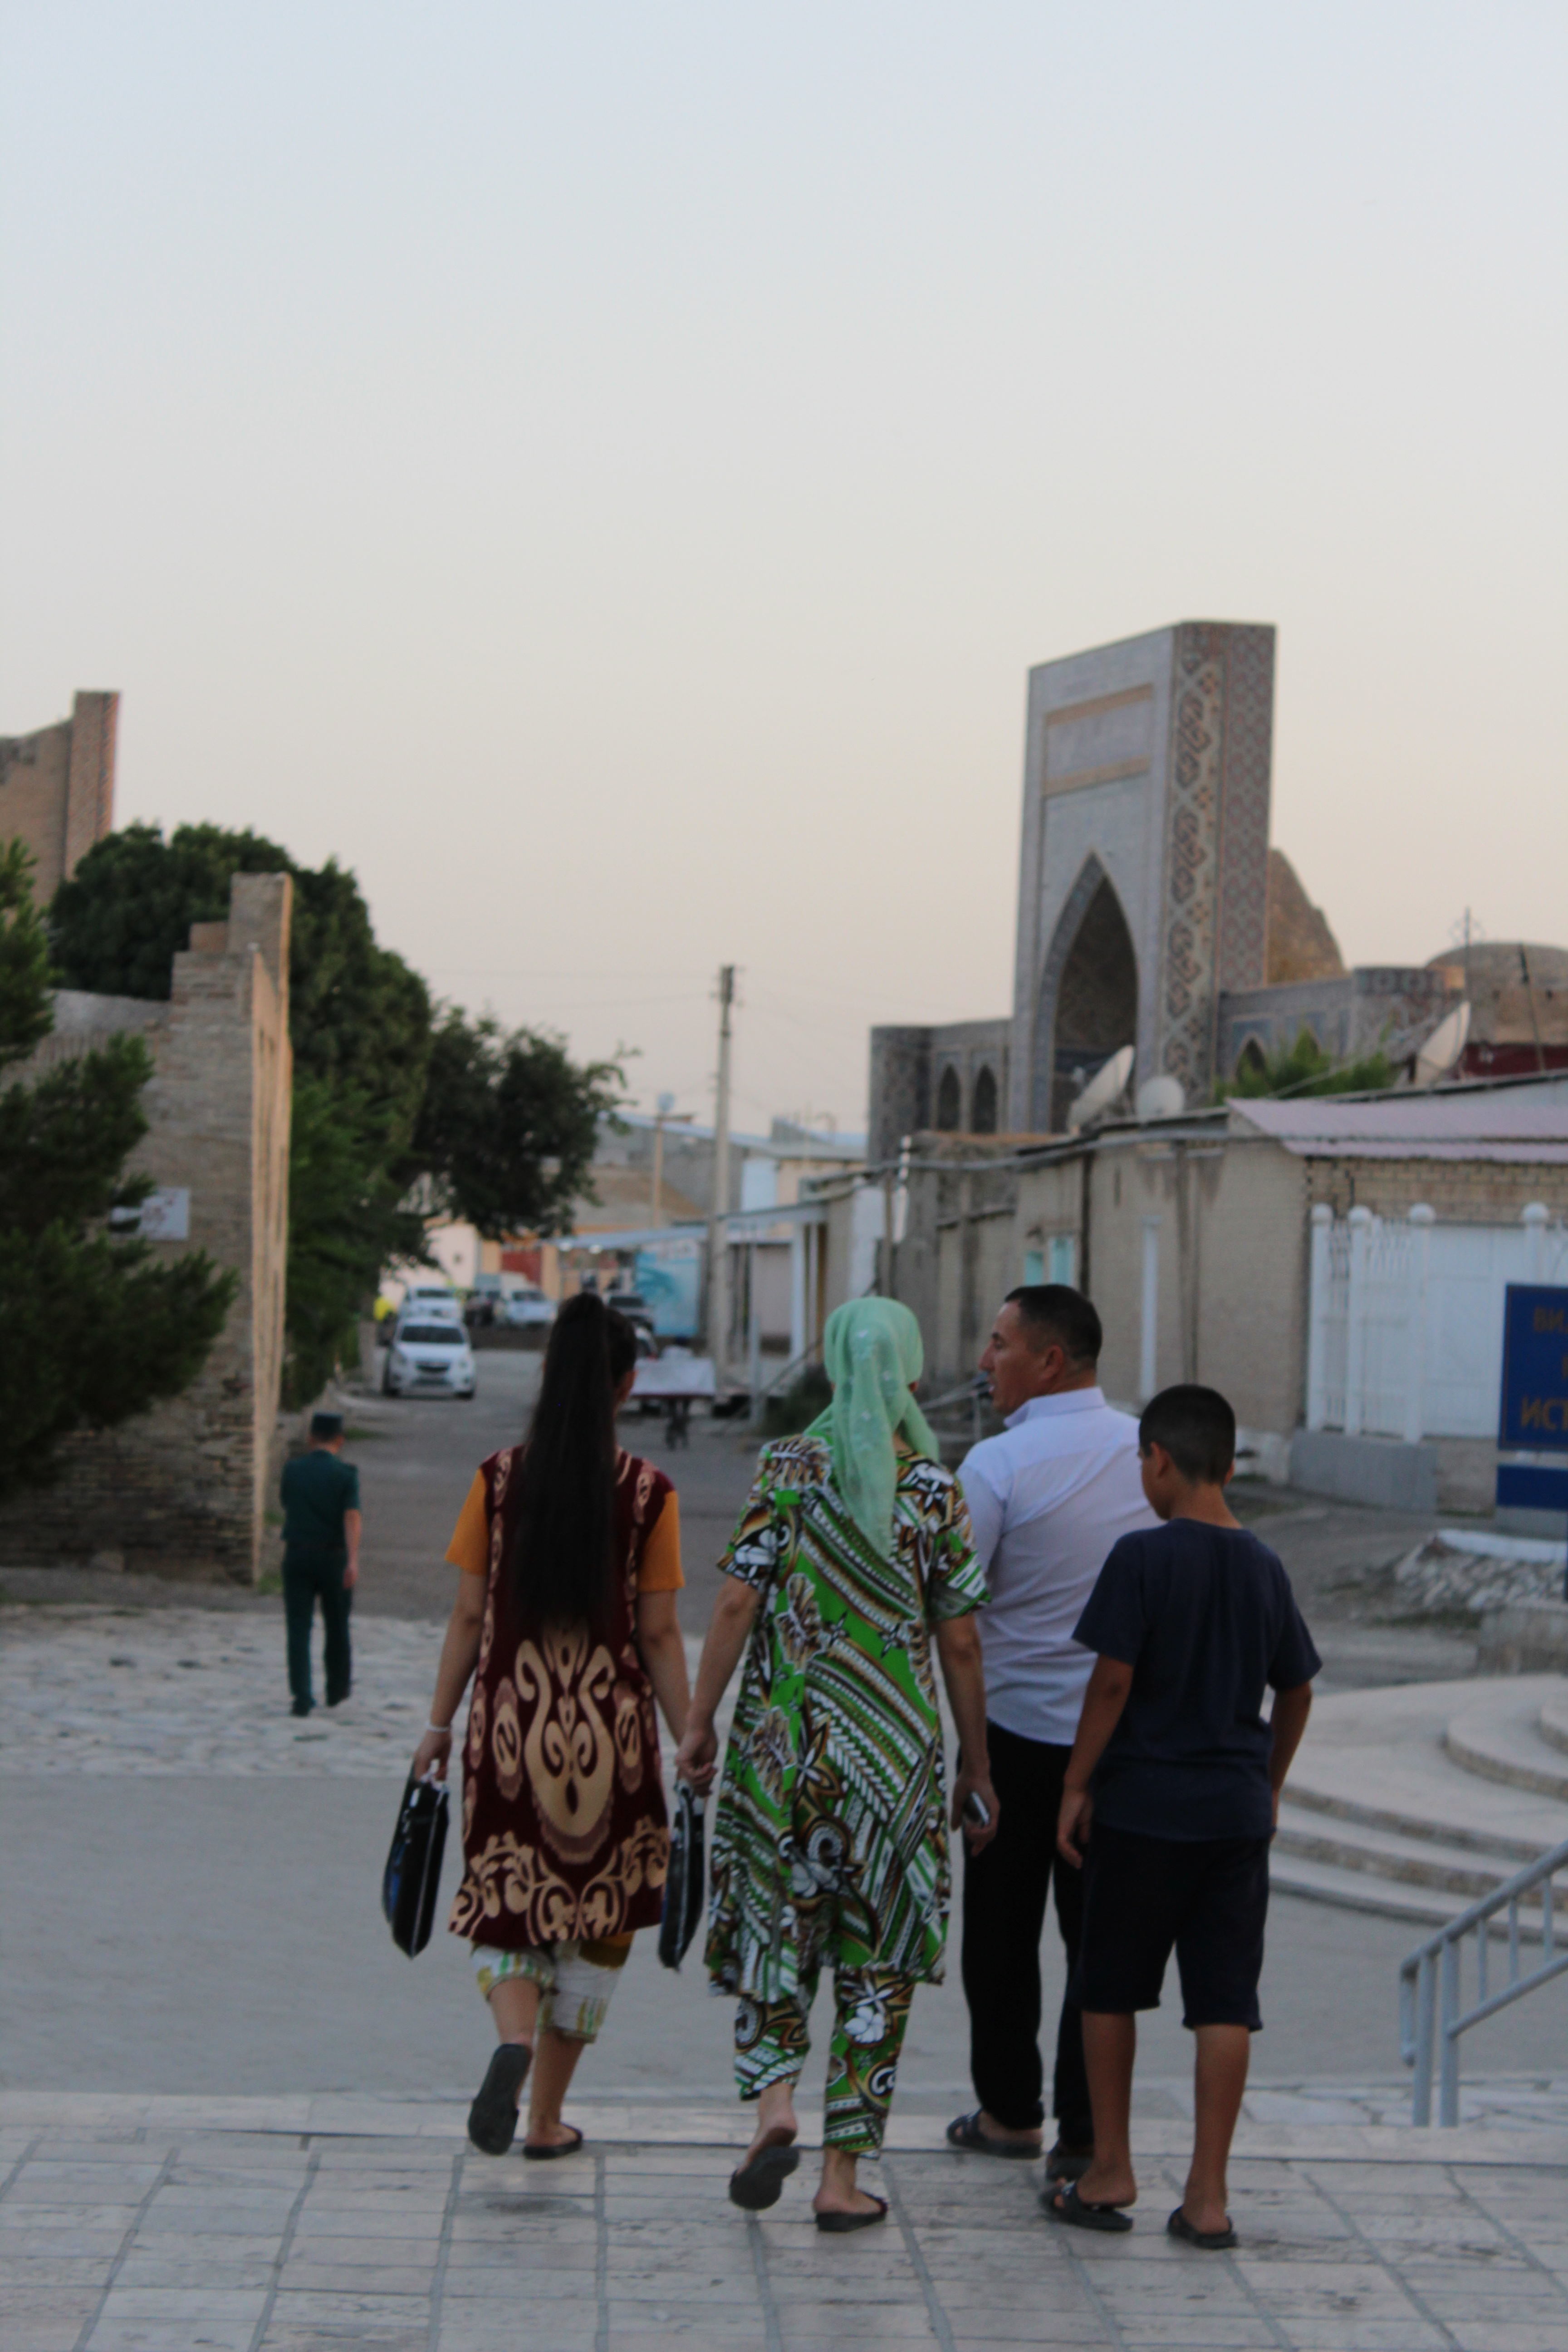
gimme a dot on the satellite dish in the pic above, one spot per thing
(1444, 1047)
(1161, 1098)
(1102, 1089)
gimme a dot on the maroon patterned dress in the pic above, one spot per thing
(565, 1836)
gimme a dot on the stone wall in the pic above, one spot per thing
(56, 788)
(184, 1489)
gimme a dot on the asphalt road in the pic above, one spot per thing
(216, 1933)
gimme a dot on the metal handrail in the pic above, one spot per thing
(1430, 1977)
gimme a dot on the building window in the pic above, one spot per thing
(949, 1102)
(1034, 1266)
(1064, 1257)
(983, 1118)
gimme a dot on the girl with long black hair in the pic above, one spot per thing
(569, 1549)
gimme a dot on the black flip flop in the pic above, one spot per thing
(492, 2118)
(759, 2183)
(1065, 2204)
(838, 2225)
(547, 2154)
(964, 2132)
(1208, 2241)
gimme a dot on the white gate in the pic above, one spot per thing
(1404, 1337)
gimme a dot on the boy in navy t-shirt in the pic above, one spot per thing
(1170, 1798)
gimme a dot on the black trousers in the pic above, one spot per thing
(1005, 1892)
(309, 1577)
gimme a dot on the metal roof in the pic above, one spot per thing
(1499, 1123)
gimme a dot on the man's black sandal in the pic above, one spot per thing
(1208, 2241)
(838, 2225)
(759, 2182)
(492, 2118)
(1065, 2204)
(552, 2149)
(964, 2132)
(1064, 2163)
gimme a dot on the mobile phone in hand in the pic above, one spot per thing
(976, 1812)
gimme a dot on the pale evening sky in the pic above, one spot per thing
(605, 472)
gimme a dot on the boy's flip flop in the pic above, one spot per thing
(492, 2118)
(759, 2182)
(838, 2225)
(1208, 2241)
(964, 2132)
(557, 2148)
(1066, 2205)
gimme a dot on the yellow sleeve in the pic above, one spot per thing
(470, 1549)
(661, 1571)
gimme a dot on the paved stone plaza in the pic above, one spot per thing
(194, 2226)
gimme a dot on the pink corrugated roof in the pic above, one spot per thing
(1511, 1123)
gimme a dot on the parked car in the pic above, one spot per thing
(524, 1309)
(429, 1356)
(431, 1298)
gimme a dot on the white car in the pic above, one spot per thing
(429, 1356)
(428, 1299)
(523, 1308)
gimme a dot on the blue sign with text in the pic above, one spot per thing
(1534, 1417)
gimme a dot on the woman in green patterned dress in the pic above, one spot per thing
(830, 1838)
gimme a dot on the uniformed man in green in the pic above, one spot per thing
(322, 1527)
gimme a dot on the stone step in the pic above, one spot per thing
(1499, 1747)
(1455, 1871)
(1498, 1845)
(1554, 1723)
(1353, 1890)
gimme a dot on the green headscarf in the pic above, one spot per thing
(872, 1350)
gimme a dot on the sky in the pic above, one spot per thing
(604, 473)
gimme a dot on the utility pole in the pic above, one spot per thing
(718, 1218)
(665, 1106)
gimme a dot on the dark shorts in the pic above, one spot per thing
(1208, 1898)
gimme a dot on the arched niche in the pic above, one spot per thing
(982, 1112)
(949, 1102)
(1087, 1006)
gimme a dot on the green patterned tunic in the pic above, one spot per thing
(830, 1836)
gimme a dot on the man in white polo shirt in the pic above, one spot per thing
(1048, 1497)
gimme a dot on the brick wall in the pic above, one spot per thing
(182, 1490)
(1461, 1192)
(56, 788)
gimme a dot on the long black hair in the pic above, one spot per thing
(563, 1563)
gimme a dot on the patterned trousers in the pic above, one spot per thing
(872, 2008)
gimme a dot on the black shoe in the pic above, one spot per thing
(301, 1707)
(492, 2118)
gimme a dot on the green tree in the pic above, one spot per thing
(390, 1107)
(507, 1127)
(1305, 1069)
(95, 1330)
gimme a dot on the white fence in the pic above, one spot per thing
(1405, 1337)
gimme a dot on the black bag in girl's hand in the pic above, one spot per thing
(412, 1879)
(683, 1887)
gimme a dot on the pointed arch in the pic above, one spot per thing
(949, 1102)
(1087, 1004)
(983, 1111)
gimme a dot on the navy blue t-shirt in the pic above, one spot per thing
(1205, 1616)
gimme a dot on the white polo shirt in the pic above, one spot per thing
(1049, 1499)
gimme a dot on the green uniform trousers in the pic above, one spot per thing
(309, 1577)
